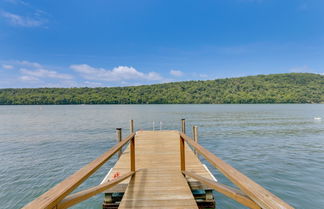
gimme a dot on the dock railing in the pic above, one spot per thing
(250, 194)
(59, 196)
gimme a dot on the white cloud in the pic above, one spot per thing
(92, 84)
(42, 73)
(28, 78)
(301, 69)
(30, 64)
(120, 73)
(18, 20)
(176, 73)
(34, 71)
(203, 76)
(16, 2)
(34, 74)
(304, 69)
(8, 67)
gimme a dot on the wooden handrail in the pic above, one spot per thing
(86, 194)
(51, 198)
(230, 192)
(257, 193)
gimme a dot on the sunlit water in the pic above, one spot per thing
(280, 147)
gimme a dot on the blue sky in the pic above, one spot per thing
(119, 43)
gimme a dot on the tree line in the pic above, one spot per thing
(274, 88)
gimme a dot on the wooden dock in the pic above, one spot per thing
(159, 181)
(158, 169)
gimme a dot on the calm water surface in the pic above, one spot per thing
(280, 147)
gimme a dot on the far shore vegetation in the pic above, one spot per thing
(274, 88)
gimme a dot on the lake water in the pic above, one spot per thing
(280, 147)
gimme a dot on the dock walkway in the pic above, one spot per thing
(158, 169)
(158, 182)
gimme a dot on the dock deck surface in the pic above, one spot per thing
(158, 182)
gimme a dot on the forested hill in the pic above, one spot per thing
(275, 88)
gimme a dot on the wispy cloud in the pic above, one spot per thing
(16, 2)
(28, 78)
(42, 73)
(29, 64)
(8, 67)
(203, 76)
(177, 73)
(92, 84)
(18, 20)
(301, 69)
(39, 75)
(304, 69)
(28, 16)
(120, 73)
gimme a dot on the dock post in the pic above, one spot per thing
(193, 132)
(131, 128)
(183, 125)
(132, 154)
(195, 136)
(182, 154)
(119, 138)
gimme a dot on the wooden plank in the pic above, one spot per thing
(232, 193)
(61, 190)
(257, 193)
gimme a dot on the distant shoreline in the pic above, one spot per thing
(160, 104)
(289, 88)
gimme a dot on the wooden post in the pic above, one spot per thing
(195, 133)
(183, 125)
(131, 128)
(132, 154)
(182, 154)
(119, 138)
